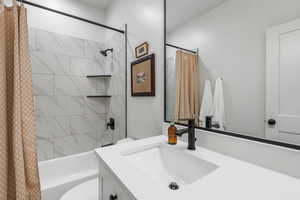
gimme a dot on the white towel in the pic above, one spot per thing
(218, 105)
(207, 102)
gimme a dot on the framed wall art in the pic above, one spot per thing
(142, 50)
(143, 76)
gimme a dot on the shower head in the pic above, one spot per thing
(104, 52)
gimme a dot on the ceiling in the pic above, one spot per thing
(98, 3)
(181, 11)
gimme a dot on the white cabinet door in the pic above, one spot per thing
(111, 188)
(283, 83)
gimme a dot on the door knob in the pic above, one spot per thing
(271, 122)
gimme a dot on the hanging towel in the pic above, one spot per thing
(206, 105)
(218, 105)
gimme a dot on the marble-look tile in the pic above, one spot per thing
(66, 85)
(74, 144)
(108, 65)
(42, 84)
(52, 106)
(117, 105)
(77, 105)
(53, 127)
(49, 63)
(116, 86)
(45, 149)
(32, 39)
(92, 49)
(102, 85)
(87, 123)
(83, 67)
(86, 86)
(35, 105)
(68, 122)
(59, 44)
(96, 105)
(105, 137)
(118, 58)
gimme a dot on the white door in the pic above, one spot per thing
(283, 83)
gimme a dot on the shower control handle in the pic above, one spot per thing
(113, 197)
(111, 124)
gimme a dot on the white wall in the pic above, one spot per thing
(52, 22)
(276, 158)
(145, 23)
(231, 42)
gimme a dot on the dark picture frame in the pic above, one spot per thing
(142, 50)
(143, 77)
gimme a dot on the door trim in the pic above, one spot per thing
(272, 70)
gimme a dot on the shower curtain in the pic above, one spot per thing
(19, 178)
(187, 87)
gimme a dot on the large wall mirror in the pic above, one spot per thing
(247, 54)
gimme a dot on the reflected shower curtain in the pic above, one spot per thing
(187, 87)
(19, 179)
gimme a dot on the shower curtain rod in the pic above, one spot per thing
(176, 47)
(69, 15)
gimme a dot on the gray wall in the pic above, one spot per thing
(145, 23)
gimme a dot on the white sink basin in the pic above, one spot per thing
(166, 164)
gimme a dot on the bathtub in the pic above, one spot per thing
(60, 175)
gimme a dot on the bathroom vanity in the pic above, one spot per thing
(151, 169)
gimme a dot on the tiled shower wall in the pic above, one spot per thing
(68, 122)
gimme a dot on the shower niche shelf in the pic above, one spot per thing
(99, 76)
(99, 96)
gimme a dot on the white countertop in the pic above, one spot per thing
(233, 180)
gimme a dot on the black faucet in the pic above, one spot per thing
(209, 123)
(191, 134)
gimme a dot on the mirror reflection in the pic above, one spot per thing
(234, 66)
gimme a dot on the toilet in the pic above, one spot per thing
(87, 191)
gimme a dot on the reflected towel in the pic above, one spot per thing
(207, 102)
(218, 105)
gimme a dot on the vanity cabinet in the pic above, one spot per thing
(110, 188)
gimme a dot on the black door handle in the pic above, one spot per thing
(272, 122)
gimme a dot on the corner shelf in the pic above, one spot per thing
(99, 96)
(99, 76)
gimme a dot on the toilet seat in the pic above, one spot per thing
(85, 191)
